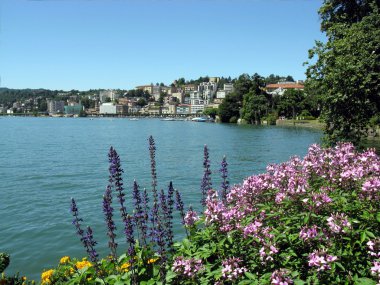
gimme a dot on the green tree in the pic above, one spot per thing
(291, 103)
(254, 107)
(212, 112)
(141, 102)
(346, 72)
(230, 108)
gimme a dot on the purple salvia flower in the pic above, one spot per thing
(180, 207)
(167, 219)
(89, 238)
(108, 213)
(170, 203)
(85, 237)
(77, 220)
(152, 153)
(206, 180)
(145, 214)
(139, 216)
(129, 235)
(225, 183)
(116, 175)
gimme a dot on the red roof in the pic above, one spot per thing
(285, 86)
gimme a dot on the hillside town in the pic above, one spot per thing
(145, 100)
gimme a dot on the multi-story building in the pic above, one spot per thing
(196, 108)
(113, 109)
(208, 90)
(55, 107)
(104, 94)
(227, 89)
(73, 108)
(197, 98)
(179, 96)
(183, 109)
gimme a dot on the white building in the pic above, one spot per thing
(208, 89)
(54, 107)
(197, 98)
(195, 109)
(107, 94)
(113, 109)
(227, 89)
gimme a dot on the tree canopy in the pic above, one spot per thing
(346, 73)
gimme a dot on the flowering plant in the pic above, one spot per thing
(314, 220)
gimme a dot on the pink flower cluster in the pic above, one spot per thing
(266, 252)
(187, 267)
(190, 218)
(371, 188)
(338, 223)
(231, 270)
(321, 260)
(280, 277)
(308, 233)
(374, 252)
(311, 185)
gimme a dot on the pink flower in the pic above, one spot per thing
(190, 218)
(321, 260)
(231, 269)
(280, 277)
(338, 223)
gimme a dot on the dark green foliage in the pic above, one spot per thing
(4, 261)
(347, 72)
(229, 108)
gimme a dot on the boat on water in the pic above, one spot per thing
(168, 119)
(133, 119)
(202, 119)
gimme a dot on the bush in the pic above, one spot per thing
(310, 221)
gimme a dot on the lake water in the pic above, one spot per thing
(46, 161)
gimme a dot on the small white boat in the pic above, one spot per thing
(199, 119)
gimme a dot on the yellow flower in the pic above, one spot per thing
(83, 264)
(64, 260)
(46, 275)
(125, 266)
(152, 260)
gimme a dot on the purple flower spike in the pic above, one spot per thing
(225, 183)
(152, 153)
(108, 212)
(139, 216)
(180, 207)
(77, 220)
(91, 246)
(206, 180)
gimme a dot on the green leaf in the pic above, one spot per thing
(362, 237)
(250, 276)
(378, 217)
(365, 281)
(340, 265)
(299, 282)
(370, 234)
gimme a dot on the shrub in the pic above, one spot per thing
(309, 221)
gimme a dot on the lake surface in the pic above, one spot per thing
(46, 161)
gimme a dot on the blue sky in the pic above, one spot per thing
(84, 44)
